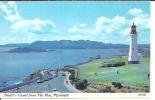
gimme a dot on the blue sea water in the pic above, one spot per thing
(16, 66)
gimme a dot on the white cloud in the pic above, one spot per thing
(102, 26)
(125, 31)
(25, 30)
(102, 20)
(135, 11)
(10, 12)
(83, 25)
(34, 25)
(80, 28)
(107, 25)
(142, 20)
(21, 25)
(73, 29)
(103, 29)
(115, 28)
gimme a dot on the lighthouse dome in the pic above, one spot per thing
(133, 26)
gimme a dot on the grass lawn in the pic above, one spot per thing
(129, 74)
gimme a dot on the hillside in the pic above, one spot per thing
(68, 44)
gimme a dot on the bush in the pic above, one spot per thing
(117, 85)
(85, 82)
(81, 84)
(72, 77)
(115, 64)
(120, 63)
(72, 71)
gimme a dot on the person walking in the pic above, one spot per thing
(148, 76)
(117, 72)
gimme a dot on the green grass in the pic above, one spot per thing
(129, 74)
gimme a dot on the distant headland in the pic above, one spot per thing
(45, 46)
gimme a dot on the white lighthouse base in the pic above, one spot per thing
(133, 62)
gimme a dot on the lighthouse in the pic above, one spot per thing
(133, 47)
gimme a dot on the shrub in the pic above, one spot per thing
(117, 85)
(85, 82)
(72, 71)
(120, 63)
(72, 77)
(81, 84)
(114, 64)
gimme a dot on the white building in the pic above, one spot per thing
(133, 48)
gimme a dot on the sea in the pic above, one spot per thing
(16, 66)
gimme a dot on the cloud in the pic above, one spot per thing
(73, 29)
(10, 12)
(107, 25)
(83, 25)
(34, 25)
(106, 29)
(24, 26)
(135, 11)
(142, 20)
(125, 31)
(103, 26)
(116, 28)
(79, 28)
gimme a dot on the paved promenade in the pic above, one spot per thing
(69, 85)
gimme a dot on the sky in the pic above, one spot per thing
(108, 22)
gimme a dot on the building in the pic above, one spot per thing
(133, 47)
